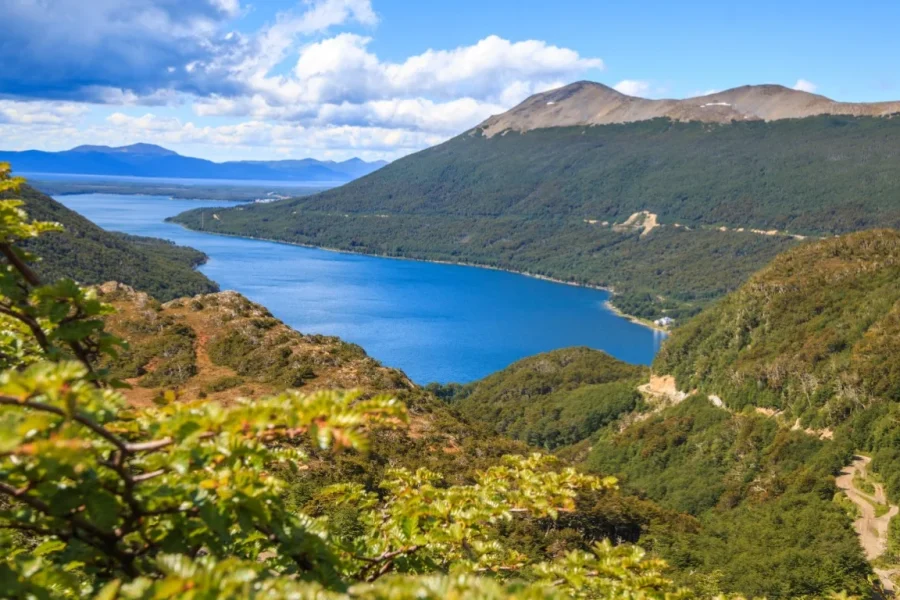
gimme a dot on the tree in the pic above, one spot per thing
(184, 499)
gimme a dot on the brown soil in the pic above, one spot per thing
(871, 529)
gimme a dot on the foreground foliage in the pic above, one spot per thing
(186, 498)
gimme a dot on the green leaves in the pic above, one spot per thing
(422, 524)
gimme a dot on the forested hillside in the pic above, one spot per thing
(809, 344)
(548, 201)
(92, 255)
(553, 399)
(763, 494)
(816, 334)
(783, 382)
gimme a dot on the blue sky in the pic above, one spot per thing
(234, 79)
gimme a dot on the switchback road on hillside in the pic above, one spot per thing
(871, 528)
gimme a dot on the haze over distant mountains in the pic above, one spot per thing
(148, 160)
(589, 103)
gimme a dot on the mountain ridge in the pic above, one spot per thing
(591, 103)
(150, 160)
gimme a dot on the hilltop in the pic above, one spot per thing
(589, 103)
(553, 399)
(221, 345)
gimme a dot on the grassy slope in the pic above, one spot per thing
(519, 201)
(92, 255)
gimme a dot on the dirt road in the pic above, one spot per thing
(872, 529)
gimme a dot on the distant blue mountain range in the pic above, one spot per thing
(148, 160)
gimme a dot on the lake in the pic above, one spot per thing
(436, 322)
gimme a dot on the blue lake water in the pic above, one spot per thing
(435, 322)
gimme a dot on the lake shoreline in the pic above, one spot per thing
(608, 304)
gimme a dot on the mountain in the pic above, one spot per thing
(133, 149)
(352, 168)
(782, 382)
(90, 255)
(814, 336)
(669, 214)
(148, 160)
(588, 103)
(807, 347)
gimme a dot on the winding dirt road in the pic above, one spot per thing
(871, 529)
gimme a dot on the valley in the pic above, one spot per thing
(535, 201)
(752, 451)
(430, 320)
(385, 300)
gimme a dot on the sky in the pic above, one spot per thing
(379, 79)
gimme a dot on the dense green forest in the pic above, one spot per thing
(211, 191)
(815, 334)
(763, 495)
(553, 399)
(536, 202)
(90, 255)
(791, 375)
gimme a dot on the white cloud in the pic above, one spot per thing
(339, 81)
(294, 81)
(40, 113)
(805, 86)
(633, 87)
(342, 68)
(282, 138)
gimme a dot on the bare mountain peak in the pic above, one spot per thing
(590, 103)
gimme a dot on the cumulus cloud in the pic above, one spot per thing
(293, 81)
(633, 87)
(342, 69)
(81, 50)
(447, 90)
(40, 113)
(803, 85)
